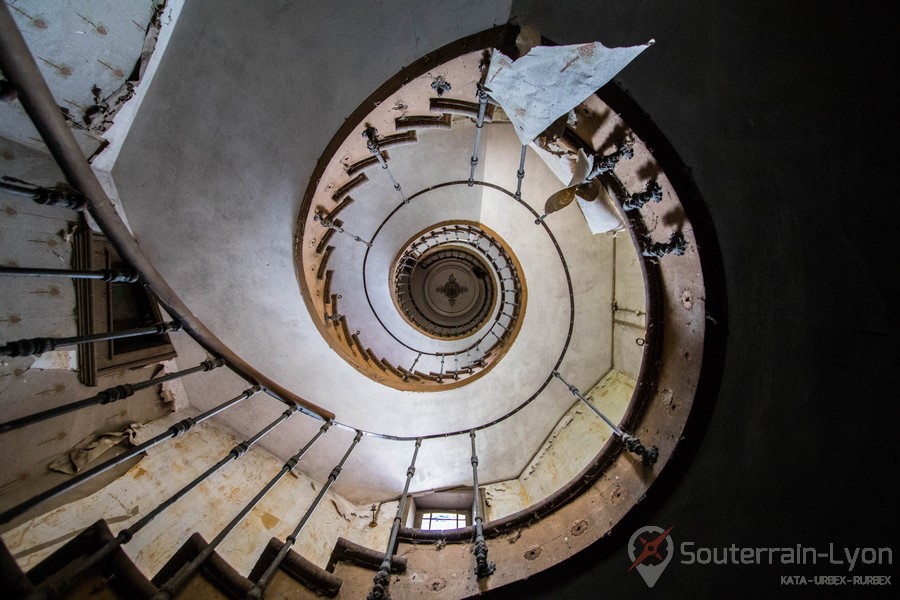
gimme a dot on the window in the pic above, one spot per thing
(448, 509)
(103, 307)
(451, 519)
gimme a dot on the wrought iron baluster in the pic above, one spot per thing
(329, 224)
(479, 124)
(483, 568)
(108, 275)
(382, 578)
(371, 135)
(45, 344)
(520, 174)
(415, 361)
(334, 318)
(652, 193)
(58, 584)
(175, 583)
(605, 164)
(176, 430)
(257, 591)
(61, 196)
(648, 456)
(676, 245)
(107, 396)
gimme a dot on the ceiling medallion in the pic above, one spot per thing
(451, 289)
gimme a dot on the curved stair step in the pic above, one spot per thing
(294, 569)
(115, 577)
(346, 551)
(214, 579)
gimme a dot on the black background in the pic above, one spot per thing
(784, 113)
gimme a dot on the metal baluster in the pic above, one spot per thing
(334, 318)
(371, 135)
(329, 224)
(41, 345)
(652, 193)
(58, 584)
(520, 174)
(479, 124)
(171, 587)
(605, 164)
(483, 568)
(257, 591)
(648, 455)
(414, 362)
(107, 396)
(60, 196)
(176, 430)
(382, 578)
(676, 245)
(108, 275)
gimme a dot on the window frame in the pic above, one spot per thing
(94, 308)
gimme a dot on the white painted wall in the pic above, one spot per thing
(574, 442)
(630, 320)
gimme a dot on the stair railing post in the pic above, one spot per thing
(648, 455)
(107, 275)
(177, 581)
(383, 577)
(60, 196)
(520, 174)
(373, 144)
(40, 345)
(258, 589)
(107, 396)
(479, 125)
(483, 568)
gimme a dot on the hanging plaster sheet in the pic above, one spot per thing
(549, 81)
(599, 213)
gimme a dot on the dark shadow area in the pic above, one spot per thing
(780, 111)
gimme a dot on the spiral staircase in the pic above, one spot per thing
(410, 326)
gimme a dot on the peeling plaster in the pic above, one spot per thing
(572, 444)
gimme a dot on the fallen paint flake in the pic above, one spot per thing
(56, 359)
(269, 520)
